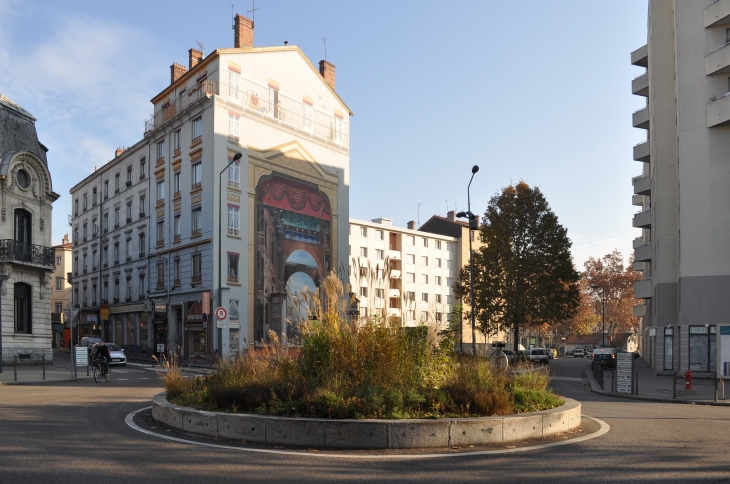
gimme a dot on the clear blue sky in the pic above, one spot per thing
(528, 90)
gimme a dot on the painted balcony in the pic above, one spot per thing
(640, 310)
(640, 57)
(642, 220)
(22, 253)
(642, 151)
(642, 253)
(717, 13)
(642, 184)
(718, 110)
(718, 60)
(640, 85)
(642, 289)
(640, 118)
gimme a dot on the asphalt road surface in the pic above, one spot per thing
(76, 432)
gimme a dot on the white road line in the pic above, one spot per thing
(566, 378)
(145, 378)
(138, 364)
(604, 429)
(121, 379)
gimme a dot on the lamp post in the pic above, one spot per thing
(473, 223)
(3, 276)
(236, 157)
(603, 313)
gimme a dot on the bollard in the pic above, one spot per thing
(674, 387)
(43, 360)
(636, 382)
(15, 367)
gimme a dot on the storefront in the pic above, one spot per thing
(88, 326)
(196, 337)
(128, 328)
(702, 349)
(160, 328)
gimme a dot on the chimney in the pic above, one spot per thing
(242, 32)
(194, 56)
(327, 69)
(176, 72)
(411, 225)
(119, 151)
(65, 240)
(451, 215)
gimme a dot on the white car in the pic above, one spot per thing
(578, 353)
(115, 353)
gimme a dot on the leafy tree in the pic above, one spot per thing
(609, 274)
(524, 274)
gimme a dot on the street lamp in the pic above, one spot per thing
(236, 157)
(3, 276)
(603, 313)
(473, 225)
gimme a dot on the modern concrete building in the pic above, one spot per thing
(246, 233)
(26, 256)
(61, 294)
(683, 189)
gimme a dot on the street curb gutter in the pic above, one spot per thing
(46, 382)
(596, 388)
(368, 434)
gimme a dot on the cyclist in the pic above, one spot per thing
(102, 353)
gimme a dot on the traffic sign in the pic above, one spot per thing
(221, 313)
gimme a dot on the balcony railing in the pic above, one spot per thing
(29, 253)
(196, 279)
(169, 110)
(232, 279)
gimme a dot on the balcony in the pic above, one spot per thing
(642, 184)
(717, 13)
(116, 262)
(128, 183)
(394, 255)
(642, 289)
(176, 239)
(13, 251)
(718, 60)
(129, 220)
(718, 110)
(640, 311)
(642, 220)
(160, 285)
(642, 151)
(196, 279)
(160, 243)
(640, 118)
(142, 254)
(176, 283)
(640, 57)
(142, 215)
(642, 253)
(393, 311)
(393, 293)
(196, 186)
(640, 85)
(637, 200)
(233, 280)
(395, 274)
(169, 111)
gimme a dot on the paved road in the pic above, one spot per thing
(75, 432)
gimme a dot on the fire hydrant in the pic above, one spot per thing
(688, 380)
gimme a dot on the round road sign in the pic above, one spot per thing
(221, 313)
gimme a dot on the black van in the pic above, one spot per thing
(605, 357)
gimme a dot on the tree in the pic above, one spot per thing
(524, 273)
(609, 274)
(585, 320)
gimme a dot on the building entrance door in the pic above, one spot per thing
(160, 338)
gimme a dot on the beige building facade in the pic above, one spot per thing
(61, 294)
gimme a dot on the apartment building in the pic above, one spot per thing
(61, 291)
(682, 190)
(26, 256)
(248, 153)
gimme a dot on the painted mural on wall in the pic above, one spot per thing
(293, 251)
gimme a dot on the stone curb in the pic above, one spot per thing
(46, 382)
(368, 434)
(596, 388)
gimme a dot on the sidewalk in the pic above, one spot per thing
(59, 371)
(658, 388)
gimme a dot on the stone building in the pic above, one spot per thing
(61, 292)
(26, 256)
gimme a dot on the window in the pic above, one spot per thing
(105, 255)
(128, 248)
(129, 287)
(410, 315)
(363, 231)
(307, 115)
(448, 264)
(380, 293)
(437, 262)
(93, 260)
(106, 189)
(85, 263)
(59, 285)
(176, 183)
(176, 140)
(93, 197)
(160, 190)
(233, 88)
(58, 261)
(449, 299)
(233, 314)
(410, 277)
(437, 280)
(425, 242)
(161, 232)
(410, 240)
(196, 221)
(197, 267)
(233, 125)
(116, 252)
(449, 281)
(424, 261)
(448, 246)
(232, 267)
(364, 291)
(379, 254)
(410, 296)
(410, 259)
(142, 244)
(129, 212)
(176, 225)
(76, 207)
(234, 175)
(424, 296)
(160, 275)
(23, 309)
(116, 183)
(363, 251)
(197, 128)
(379, 234)
(116, 218)
(424, 278)
(160, 150)
(141, 285)
(196, 174)
(59, 307)
(86, 297)
(86, 205)
(105, 291)
(424, 315)
(142, 205)
(438, 244)
(129, 175)
(338, 129)
(94, 228)
(233, 220)
(142, 168)
(439, 317)
(23, 227)
(106, 222)
(274, 102)
(176, 271)
(85, 231)
(438, 298)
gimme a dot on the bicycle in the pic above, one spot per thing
(102, 370)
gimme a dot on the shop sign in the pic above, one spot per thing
(160, 307)
(127, 308)
(91, 318)
(104, 313)
(206, 302)
(194, 315)
(698, 330)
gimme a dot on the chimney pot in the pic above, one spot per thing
(412, 225)
(327, 70)
(119, 151)
(451, 215)
(242, 32)
(194, 56)
(176, 72)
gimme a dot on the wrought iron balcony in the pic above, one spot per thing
(11, 250)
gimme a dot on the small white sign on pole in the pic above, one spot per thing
(624, 372)
(82, 356)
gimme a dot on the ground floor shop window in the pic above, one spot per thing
(233, 341)
(118, 334)
(668, 348)
(702, 351)
(130, 335)
(144, 334)
(196, 344)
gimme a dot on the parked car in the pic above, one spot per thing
(89, 341)
(116, 353)
(521, 356)
(605, 357)
(510, 354)
(569, 353)
(539, 356)
(578, 353)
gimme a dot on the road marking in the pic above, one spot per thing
(129, 420)
(138, 364)
(566, 378)
(145, 378)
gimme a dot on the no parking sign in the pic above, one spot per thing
(221, 314)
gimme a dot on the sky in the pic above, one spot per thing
(528, 90)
